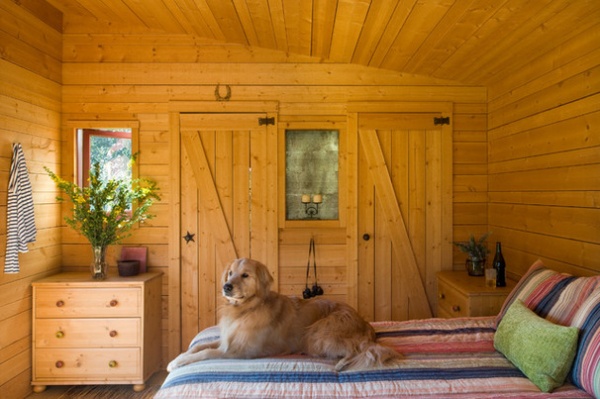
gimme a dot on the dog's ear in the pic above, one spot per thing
(264, 279)
(225, 274)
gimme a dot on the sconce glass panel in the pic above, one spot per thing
(311, 169)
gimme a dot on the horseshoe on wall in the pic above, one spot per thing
(218, 95)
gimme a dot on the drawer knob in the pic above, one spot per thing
(114, 303)
(60, 304)
(60, 334)
(113, 333)
(442, 296)
(456, 308)
(59, 364)
(112, 364)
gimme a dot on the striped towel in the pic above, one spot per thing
(20, 218)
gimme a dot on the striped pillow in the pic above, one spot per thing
(551, 295)
(586, 368)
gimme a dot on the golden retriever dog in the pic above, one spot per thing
(257, 322)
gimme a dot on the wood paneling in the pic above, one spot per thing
(474, 42)
(537, 64)
(30, 105)
(148, 89)
(544, 160)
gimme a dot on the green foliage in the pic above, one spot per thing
(475, 249)
(105, 211)
(114, 154)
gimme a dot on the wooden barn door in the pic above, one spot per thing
(405, 213)
(228, 206)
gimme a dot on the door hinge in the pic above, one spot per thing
(441, 120)
(266, 121)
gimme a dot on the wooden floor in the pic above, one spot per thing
(102, 391)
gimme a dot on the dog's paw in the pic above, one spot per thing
(171, 366)
(176, 363)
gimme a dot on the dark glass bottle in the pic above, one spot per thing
(500, 266)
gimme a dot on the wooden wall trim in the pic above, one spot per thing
(444, 107)
(241, 73)
(352, 208)
(174, 250)
(188, 106)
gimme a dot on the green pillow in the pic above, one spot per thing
(543, 351)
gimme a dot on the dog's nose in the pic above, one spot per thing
(227, 288)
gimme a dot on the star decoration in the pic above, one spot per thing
(188, 237)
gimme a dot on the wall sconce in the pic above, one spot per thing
(311, 210)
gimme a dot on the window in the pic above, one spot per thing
(111, 147)
(106, 140)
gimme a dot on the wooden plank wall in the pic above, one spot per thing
(125, 76)
(30, 104)
(544, 159)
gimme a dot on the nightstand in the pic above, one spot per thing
(96, 332)
(461, 295)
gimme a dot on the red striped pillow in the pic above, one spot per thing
(585, 372)
(551, 295)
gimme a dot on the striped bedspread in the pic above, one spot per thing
(444, 358)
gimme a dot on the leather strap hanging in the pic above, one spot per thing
(316, 289)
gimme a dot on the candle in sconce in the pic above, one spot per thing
(305, 198)
(318, 198)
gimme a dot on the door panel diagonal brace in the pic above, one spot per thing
(395, 223)
(211, 202)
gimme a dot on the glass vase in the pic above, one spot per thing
(99, 266)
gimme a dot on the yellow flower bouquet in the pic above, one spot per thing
(105, 211)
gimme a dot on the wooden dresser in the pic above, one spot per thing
(96, 332)
(461, 295)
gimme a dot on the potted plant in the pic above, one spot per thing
(477, 252)
(105, 211)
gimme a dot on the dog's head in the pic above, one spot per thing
(244, 279)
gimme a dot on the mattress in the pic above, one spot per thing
(443, 358)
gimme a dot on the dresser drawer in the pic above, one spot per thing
(90, 364)
(95, 332)
(451, 302)
(87, 333)
(82, 302)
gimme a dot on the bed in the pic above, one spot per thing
(449, 358)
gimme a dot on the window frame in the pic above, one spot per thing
(83, 150)
(71, 152)
(314, 122)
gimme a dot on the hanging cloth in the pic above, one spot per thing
(20, 218)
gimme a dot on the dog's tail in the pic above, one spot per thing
(370, 355)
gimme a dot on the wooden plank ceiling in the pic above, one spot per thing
(469, 41)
